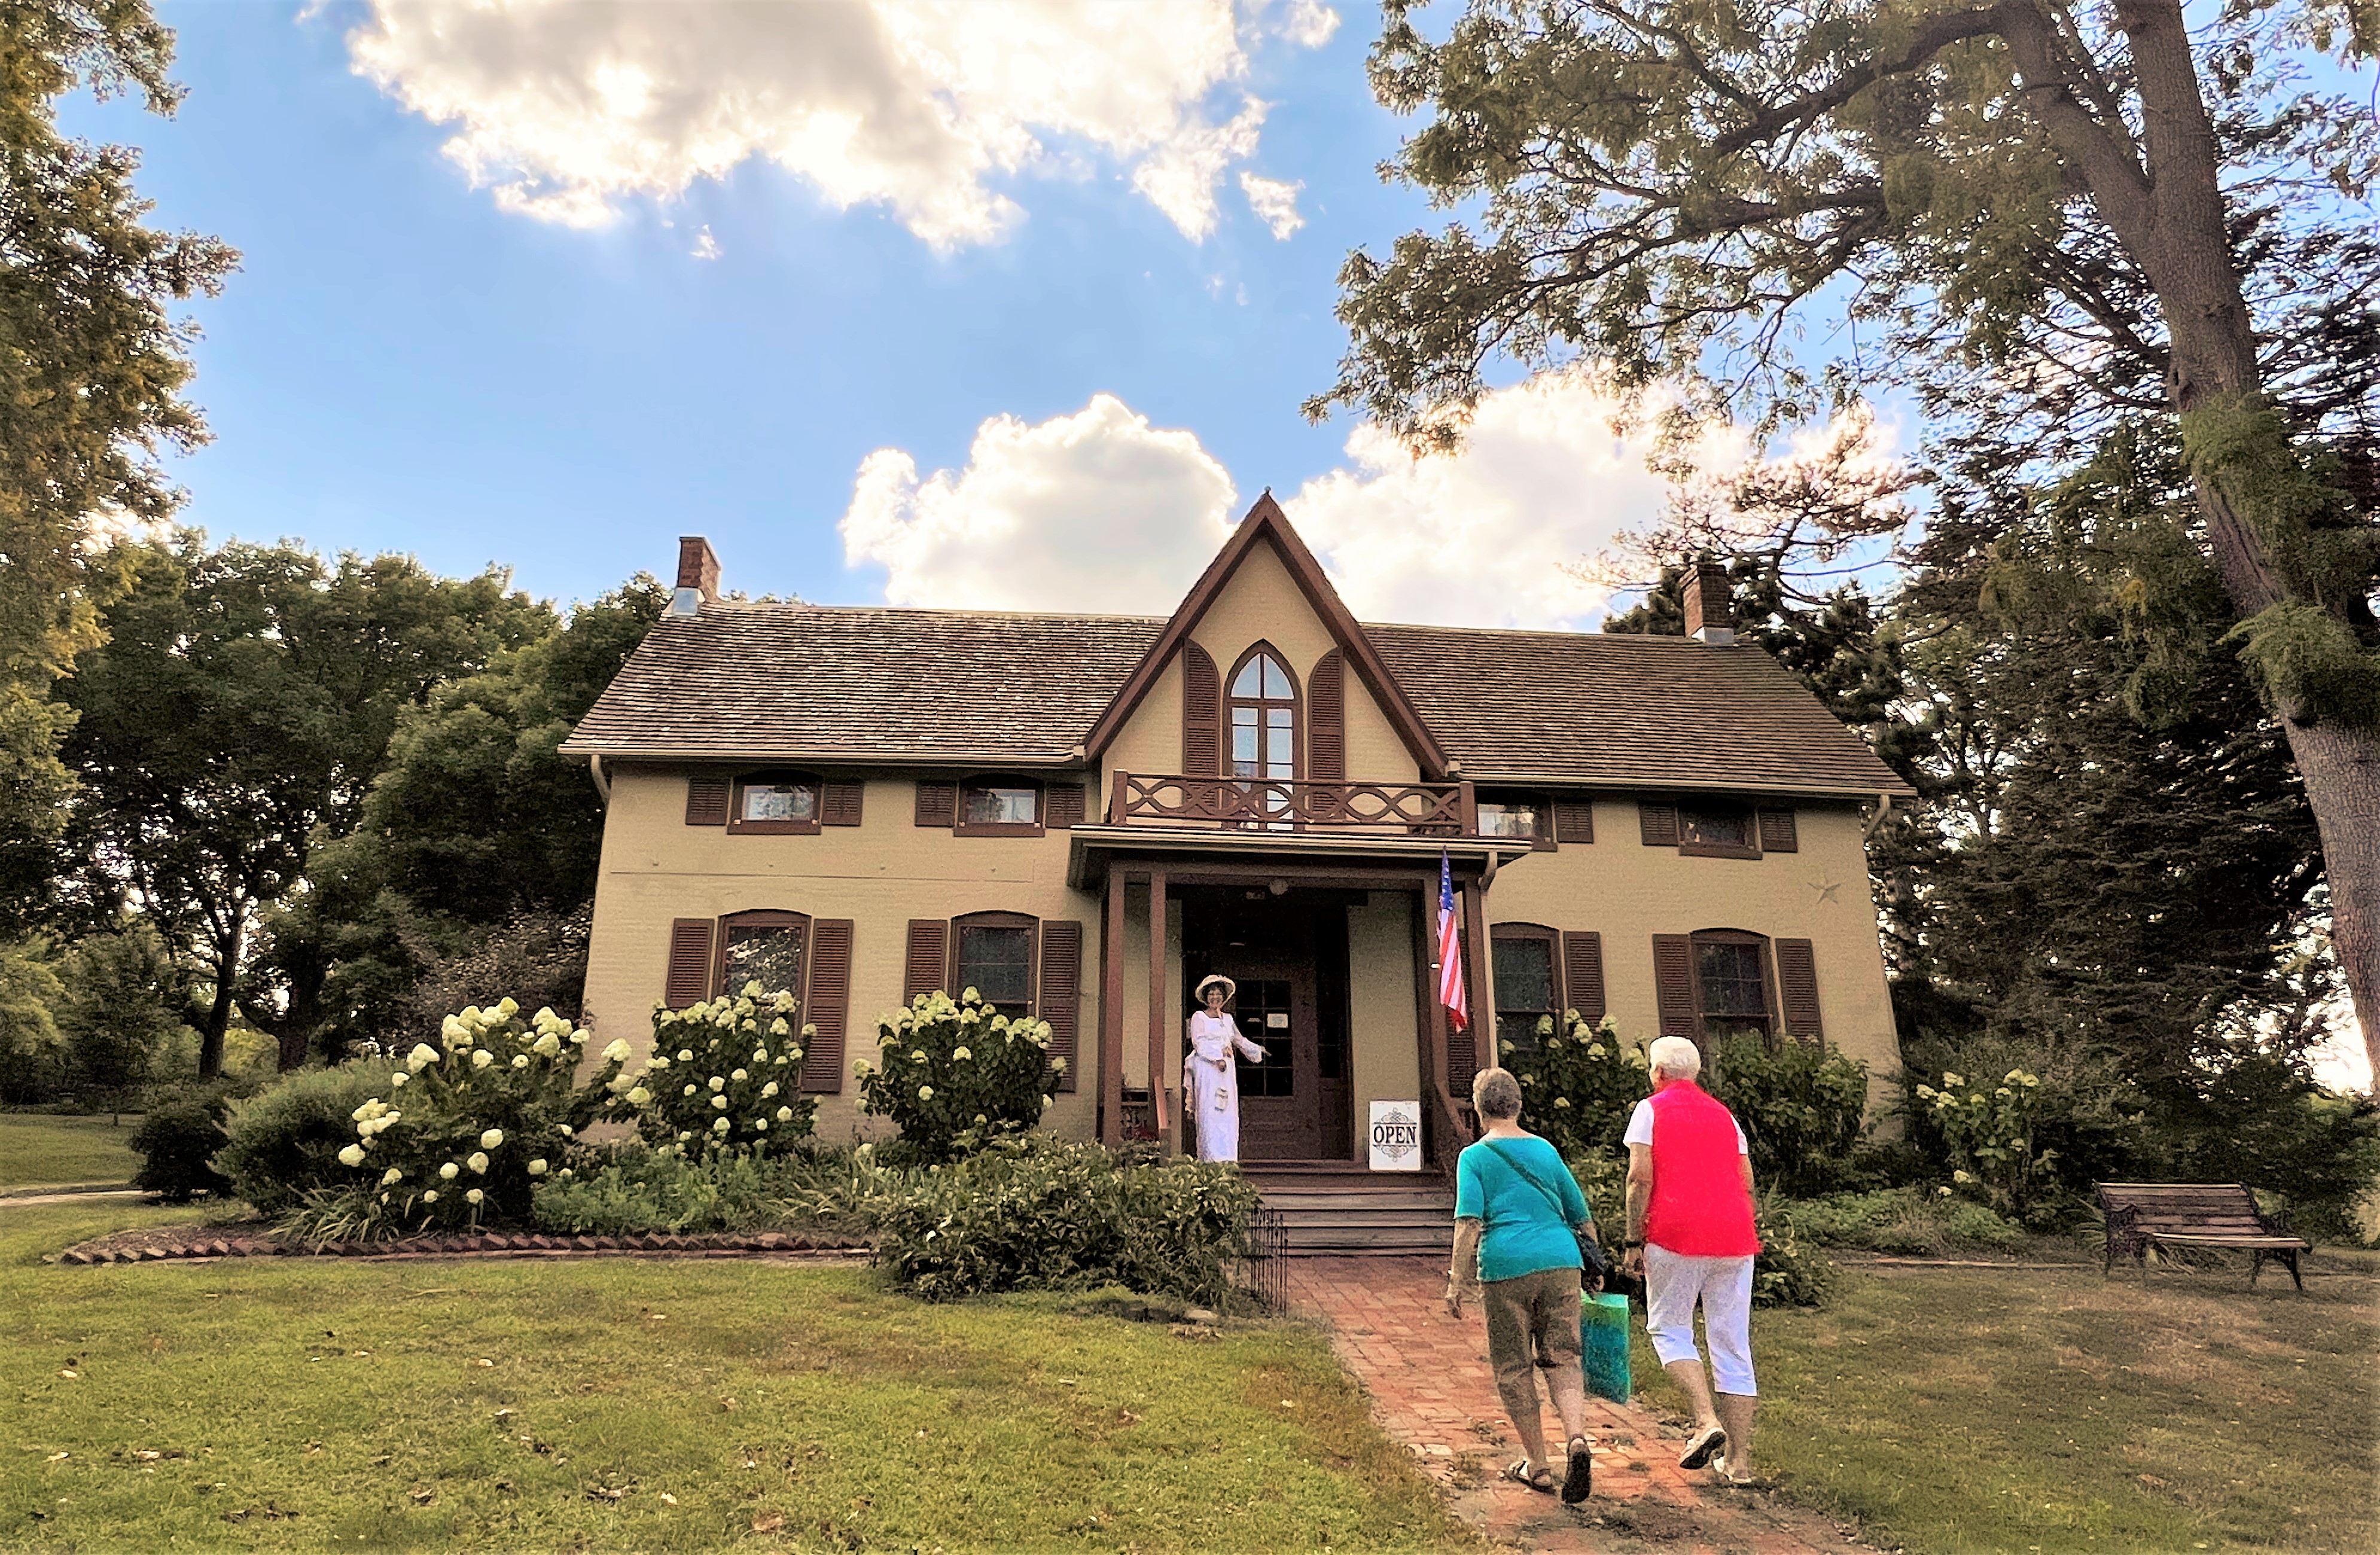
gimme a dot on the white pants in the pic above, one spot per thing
(1673, 1283)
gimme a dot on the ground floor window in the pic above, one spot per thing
(996, 960)
(1731, 980)
(764, 948)
(1526, 984)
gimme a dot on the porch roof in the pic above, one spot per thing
(1098, 848)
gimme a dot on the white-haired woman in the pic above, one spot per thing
(1210, 1081)
(1518, 1217)
(1691, 1233)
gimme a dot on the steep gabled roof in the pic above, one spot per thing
(1266, 524)
(1645, 712)
(819, 682)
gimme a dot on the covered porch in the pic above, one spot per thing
(1319, 901)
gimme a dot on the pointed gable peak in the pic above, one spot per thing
(1266, 524)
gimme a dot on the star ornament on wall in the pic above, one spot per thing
(1825, 888)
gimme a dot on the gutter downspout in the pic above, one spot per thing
(1882, 809)
(603, 784)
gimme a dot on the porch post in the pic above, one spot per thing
(1159, 1025)
(1478, 964)
(1434, 1011)
(1111, 1012)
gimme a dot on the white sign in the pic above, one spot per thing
(1396, 1136)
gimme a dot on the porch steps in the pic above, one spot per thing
(1333, 1209)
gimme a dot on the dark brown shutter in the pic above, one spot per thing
(830, 1004)
(706, 801)
(1797, 986)
(1202, 714)
(1582, 974)
(1673, 983)
(938, 803)
(1326, 712)
(1061, 993)
(1659, 819)
(1573, 821)
(1776, 833)
(1062, 805)
(930, 939)
(839, 804)
(689, 963)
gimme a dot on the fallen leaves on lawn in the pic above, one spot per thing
(55, 1458)
(605, 1493)
(727, 1405)
(484, 1361)
(422, 1495)
(668, 1499)
(769, 1524)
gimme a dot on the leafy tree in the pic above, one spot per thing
(32, 1051)
(245, 697)
(2036, 212)
(92, 369)
(118, 1012)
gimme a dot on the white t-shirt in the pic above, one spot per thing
(1640, 1129)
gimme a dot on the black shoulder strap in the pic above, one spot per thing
(1561, 1210)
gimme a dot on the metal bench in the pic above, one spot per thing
(2216, 1215)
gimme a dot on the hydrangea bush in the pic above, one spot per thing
(725, 1075)
(957, 1075)
(1578, 1084)
(1988, 1127)
(466, 1129)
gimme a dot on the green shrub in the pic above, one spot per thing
(636, 1191)
(957, 1076)
(1802, 1108)
(1603, 1178)
(1791, 1269)
(724, 1075)
(284, 1142)
(1033, 1213)
(1579, 1085)
(463, 1134)
(177, 1142)
(1907, 1221)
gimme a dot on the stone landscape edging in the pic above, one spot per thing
(471, 1245)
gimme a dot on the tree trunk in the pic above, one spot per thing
(212, 1029)
(2341, 768)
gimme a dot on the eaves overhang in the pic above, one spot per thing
(1095, 847)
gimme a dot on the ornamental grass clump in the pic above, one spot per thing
(725, 1075)
(956, 1076)
(466, 1129)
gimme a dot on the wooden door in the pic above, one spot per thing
(1281, 1099)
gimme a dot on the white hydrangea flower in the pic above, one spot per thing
(918, 1055)
(455, 1033)
(508, 1007)
(779, 1027)
(720, 1125)
(478, 1161)
(769, 1090)
(685, 1055)
(475, 1196)
(430, 1195)
(740, 1075)
(546, 1046)
(448, 1172)
(481, 1058)
(639, 1095)
(1059, 1064)
(785, 1114)
(391, 1177)
(352, 1156)
(655, 1063)
(718, 1083)
(491, 1138)
(617, 1051)
(720, 1103)
(760, 1055)
(759, 1125)
(925, 1093)
(398, 1079)
(520, 1061)
(578, 1038)
(960, 1054)
(536, 1167)
(689, 1091)
(421, 1057)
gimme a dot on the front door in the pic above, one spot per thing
(1280, 1097)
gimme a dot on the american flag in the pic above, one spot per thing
(1450, 951)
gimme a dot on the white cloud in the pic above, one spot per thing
(1099, 510)
(1096, 512)
(1274, 202)
(706, 247)
(565, 108)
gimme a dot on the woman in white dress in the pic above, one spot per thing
(1210, 1081)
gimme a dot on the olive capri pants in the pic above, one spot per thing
(1528, 1317)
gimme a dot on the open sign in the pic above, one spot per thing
(1396, 1136)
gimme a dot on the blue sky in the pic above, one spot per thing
(400, 364)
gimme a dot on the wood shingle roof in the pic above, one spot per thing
(859, 685)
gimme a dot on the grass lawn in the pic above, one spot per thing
(2001, 1411)
(38, 1150)
(634, 1406)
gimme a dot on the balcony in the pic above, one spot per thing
(1424, 809)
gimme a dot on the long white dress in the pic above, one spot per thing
(1211, 1083)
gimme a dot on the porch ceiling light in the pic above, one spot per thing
(1281, 888)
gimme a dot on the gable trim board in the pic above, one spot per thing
(1265, 523)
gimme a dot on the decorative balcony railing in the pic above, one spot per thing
(1271, 804)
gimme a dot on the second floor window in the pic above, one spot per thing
(1264, 718)
(1512, 818)
(999, 807)
(775, 802)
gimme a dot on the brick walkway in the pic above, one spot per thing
(1431, 1387)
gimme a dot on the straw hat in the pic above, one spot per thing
(1230, 990)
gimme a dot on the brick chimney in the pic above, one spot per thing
(1710, 605)
(698, 575)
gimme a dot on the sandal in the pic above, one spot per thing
(1538, 1478)
(1727, 1477)
(1581, 1482)
(1701, 1447)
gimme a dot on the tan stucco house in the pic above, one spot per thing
(1081, 815)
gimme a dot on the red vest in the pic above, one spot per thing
(1700, 1206)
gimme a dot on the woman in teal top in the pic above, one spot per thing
(1518, 1216)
